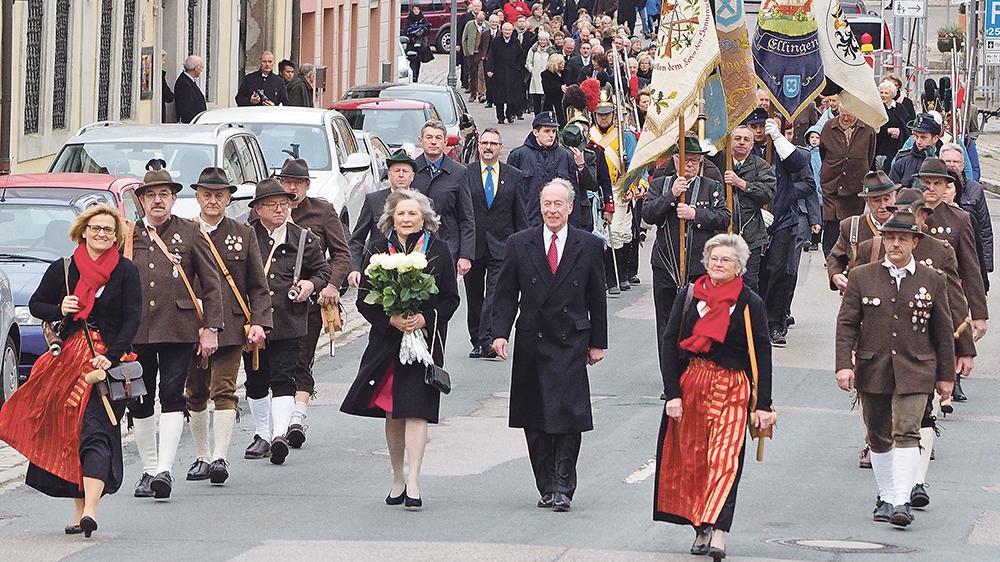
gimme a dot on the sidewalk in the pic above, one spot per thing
(988, 145)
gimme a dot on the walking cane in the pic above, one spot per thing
(97, 376)
(682, 224)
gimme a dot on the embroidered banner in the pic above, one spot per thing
(786, 54)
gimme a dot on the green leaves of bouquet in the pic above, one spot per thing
(399, 282)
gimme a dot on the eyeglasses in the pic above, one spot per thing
(721, 259)
(94, 229)
(490, 143)
(277, 206)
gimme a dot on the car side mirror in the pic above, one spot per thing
(357, 162)
(245, 191)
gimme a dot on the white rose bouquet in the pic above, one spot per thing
(400, 284)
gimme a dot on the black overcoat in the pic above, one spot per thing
(505, 61)
(561, 317)
(411, 397)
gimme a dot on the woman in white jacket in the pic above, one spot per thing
(535, 62)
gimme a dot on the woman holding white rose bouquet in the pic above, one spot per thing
(408, 287)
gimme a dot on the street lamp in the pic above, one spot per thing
(452, 47)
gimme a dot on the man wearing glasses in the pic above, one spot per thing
(499, 213)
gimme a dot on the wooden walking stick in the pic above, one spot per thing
(682, 224)
(95, 377)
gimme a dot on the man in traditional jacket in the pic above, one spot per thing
(878, 194)
(553, 275)
(847, 147)
(752, 184)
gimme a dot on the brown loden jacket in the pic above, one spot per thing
(844, 167)
(954, 225)
(321, 218)
(840, 256)
(902, 340)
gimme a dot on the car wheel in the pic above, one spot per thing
(444, 40)
(8, 370)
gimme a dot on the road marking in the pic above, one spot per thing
(643, 474)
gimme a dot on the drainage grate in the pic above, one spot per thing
(845, 546)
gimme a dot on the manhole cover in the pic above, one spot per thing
(842, 546)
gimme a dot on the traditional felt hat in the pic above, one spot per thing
(400, 156)
(925, 123)
(691, 146)
(756, 117)
(544, 119)
(157, 178)
(902, 221)
(573, 135)
(294, 168)
(268, 188)
(912, 199)
(214, 178)
(934, 168)
(877, 183)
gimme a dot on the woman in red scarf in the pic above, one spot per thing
(56, 420)
(706, 378)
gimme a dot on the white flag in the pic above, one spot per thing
(845, 66)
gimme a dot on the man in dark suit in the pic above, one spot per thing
(572, 61)
(188, 97)
(263, 87)
(582, 62)
(366, 230)
(499, 214)
(553, 274)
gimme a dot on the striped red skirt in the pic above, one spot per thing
(699, 459)
(43, 418)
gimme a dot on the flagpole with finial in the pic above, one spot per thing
(682, 224)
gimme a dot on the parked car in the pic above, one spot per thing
(450, 105)
(379, 153)
(396, 122)
(126, 150)
(10, 336)
(438, 13)
(403, 73)
(79, 189)
(322, 137)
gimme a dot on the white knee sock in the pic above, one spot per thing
(171, 428)
(199, 432)
(282, 406)
(223, 422)
(926, 446)
(882, 467)
(905, 463)
(145, 441)
(299, 413)
(260, 409)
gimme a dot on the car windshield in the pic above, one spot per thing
(440, 99)
(184, 161)
(393, 126)
(281, 141)
(36, 231)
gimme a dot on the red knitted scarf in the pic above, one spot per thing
(93, 275)
(712, 327)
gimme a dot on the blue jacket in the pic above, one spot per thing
(795, 183)
(540, 165)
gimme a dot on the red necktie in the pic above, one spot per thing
(553, 255)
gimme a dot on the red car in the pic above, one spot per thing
(118, 191)
(438, 14)
(395, 121)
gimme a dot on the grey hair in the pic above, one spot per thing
(544, 34)
(192, 62)
(434, 124)
(306, 69)
(892, 87)
(733, 241)
(952, 146)
(431, 219)
(570, 192)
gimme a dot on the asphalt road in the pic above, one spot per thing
(326, 502)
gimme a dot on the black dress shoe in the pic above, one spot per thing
(488, 353)
(919, 496)
(218, 472)
(88, 526)
(560, 502)
(716, 553)
(901, 515)
(703, 535)
(198, 471)
(279, 450)
(546, 501)
(296, 435)
(624, 285)
(142, 489)
(258, 449)
(398, 500)
(162, 484)
(958, 394)
(883, 511)
(476, 353)
(73, 529)
(634, 280)
(510, 119)
(412, 503)
(778, 339)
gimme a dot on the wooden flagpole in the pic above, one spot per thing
(729, 187)
(682, 224)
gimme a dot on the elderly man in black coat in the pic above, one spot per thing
(262, 87)
(503, 67)
(189, 100)
(553, 274)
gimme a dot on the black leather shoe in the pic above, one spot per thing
(88, 526)
(476, 353)
(947, 409)
(488, 353)
(546, 501)
(560, 502)
(958, 394)
(142, 489)
(778, 339)
(919, 496)
(634, 280)
(218, 472)
(258, 449)
(412, 503)
(398, 500)
(703, 535)
(883, 511)
(624, 285)
(162, 484)
(73, 529)
(279, 450)
(296, 435)
(716, 553)
(198, 471)
(789, 320)
(510, 119)
(901, 515)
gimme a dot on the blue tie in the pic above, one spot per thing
(490, 189)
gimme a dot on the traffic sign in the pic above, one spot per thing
(913, 8)
(991, 26)
(991, 59)
(991, 45)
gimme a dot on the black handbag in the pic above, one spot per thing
(123, 382)
(433, 375)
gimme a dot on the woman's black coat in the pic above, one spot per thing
(552, 84)
(729, 354)
(886, 145)
(411, 397)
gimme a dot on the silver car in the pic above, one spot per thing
(10, 336)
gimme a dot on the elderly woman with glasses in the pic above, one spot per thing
(705, 362)
(384, 388)
(57, 420)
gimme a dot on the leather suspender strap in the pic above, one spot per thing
(180, 269)
(853, 238)
(297, 272)
(225, 272)
(753, 356)
(876, 247)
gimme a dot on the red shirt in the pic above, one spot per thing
(513, 9)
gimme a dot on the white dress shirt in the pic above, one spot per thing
(560, 240)
(898, 273)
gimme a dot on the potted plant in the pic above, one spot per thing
(950, 37)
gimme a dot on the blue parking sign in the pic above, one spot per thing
(991, 27)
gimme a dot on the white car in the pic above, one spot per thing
(403, 75)
(10, 340)
(321, 137)
(379, 152)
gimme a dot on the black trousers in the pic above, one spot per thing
(278, 361)
(663, 301)
(831, 231)
(780, 283)
(751, 278)
(304, 381)
(553, 460)
(504, 109)
(536, 102)
(480, 281)
(415, 68)
(171, 361)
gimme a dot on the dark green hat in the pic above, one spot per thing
(400, 156)
(294, 168)
(903, 220)
(691, 146)
(269, 188)
(215, 179)
(573, 135)
(877, 183)
(912, 199)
